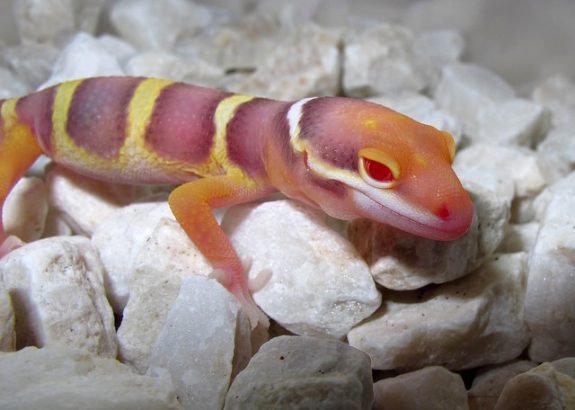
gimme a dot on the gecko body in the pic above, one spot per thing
(348, 157)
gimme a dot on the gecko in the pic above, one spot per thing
(348, 157)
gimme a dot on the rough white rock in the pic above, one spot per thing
(32, 62)
(382, 60)
(422, 109)
(205, 341)
(57, 289)
(540, 388)
(119, 240)
(558, 147)
(319, 284)
(529, 173)
(443, 47)
(52, 21)
(11, 85)
(7, 319)
(549, 311)
(512, 122)
(84, 202)
(489, 382)
(84, 56)
(474, 321)
(465, 90)
(519, 238)
(163, 260)
(25, 210)
(558, 94)
(160, 64)
(563, 187)
(63, 378)
(306, 63)
(431, 388)
(402, 261)
(303, 372)
(149, 24)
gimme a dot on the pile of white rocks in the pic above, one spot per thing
(123, 314)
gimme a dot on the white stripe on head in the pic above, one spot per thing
(294, 115)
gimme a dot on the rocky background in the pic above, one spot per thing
(110, 305)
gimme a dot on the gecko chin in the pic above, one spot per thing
(451, 224)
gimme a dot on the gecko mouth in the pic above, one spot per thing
(415, 221)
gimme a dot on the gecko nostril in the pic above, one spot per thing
(443, 212)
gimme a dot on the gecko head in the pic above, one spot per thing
(369, 161)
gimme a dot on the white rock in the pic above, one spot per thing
(58, 287)
(83, 202)
(549, 311)
(563, 187)
(32, 62)
(160, 64)
(164, 259)
(52, 21)
(11, 85)
(119, 240)
(520, 165)
(149, 24)
(558, 94)
(489, 382)
(402, 261)
(319, 284)
(422, 109)
(512, 122)
(540, 388)
(62, 378)
(25, 210)
(474, 321)
(443, 47)
(558, 147)
(565, 365)
(84, 56)
(426, 389)
(7, 319)
(383, 60)
(306, 63)
(303, 372)
(205, 341)
(519, 238)
(465, 90)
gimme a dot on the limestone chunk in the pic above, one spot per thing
(84, 56)
(85, 202)
(303, 372)
(33, 63)
(382, 60)
(25, 209)
(205, 341)
(148, 24)
(7, 322)
(512, 122)
(549, 311)
(558, 147)
(558, 94)
(319, 285)
(465, 90)
(306, 63)
(58, 295)
(11, 85)
(489, 382)
(62, 378)
(519, 238)
(430, 388)
(160, 263)
(474, 321)
(540, 388)
(443, 47)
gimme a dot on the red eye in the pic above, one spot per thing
(377, 170)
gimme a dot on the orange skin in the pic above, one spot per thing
(348, 157)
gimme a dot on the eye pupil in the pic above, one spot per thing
(378, 171)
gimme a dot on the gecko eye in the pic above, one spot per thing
(380, 172)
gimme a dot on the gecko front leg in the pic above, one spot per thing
(192, 205)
